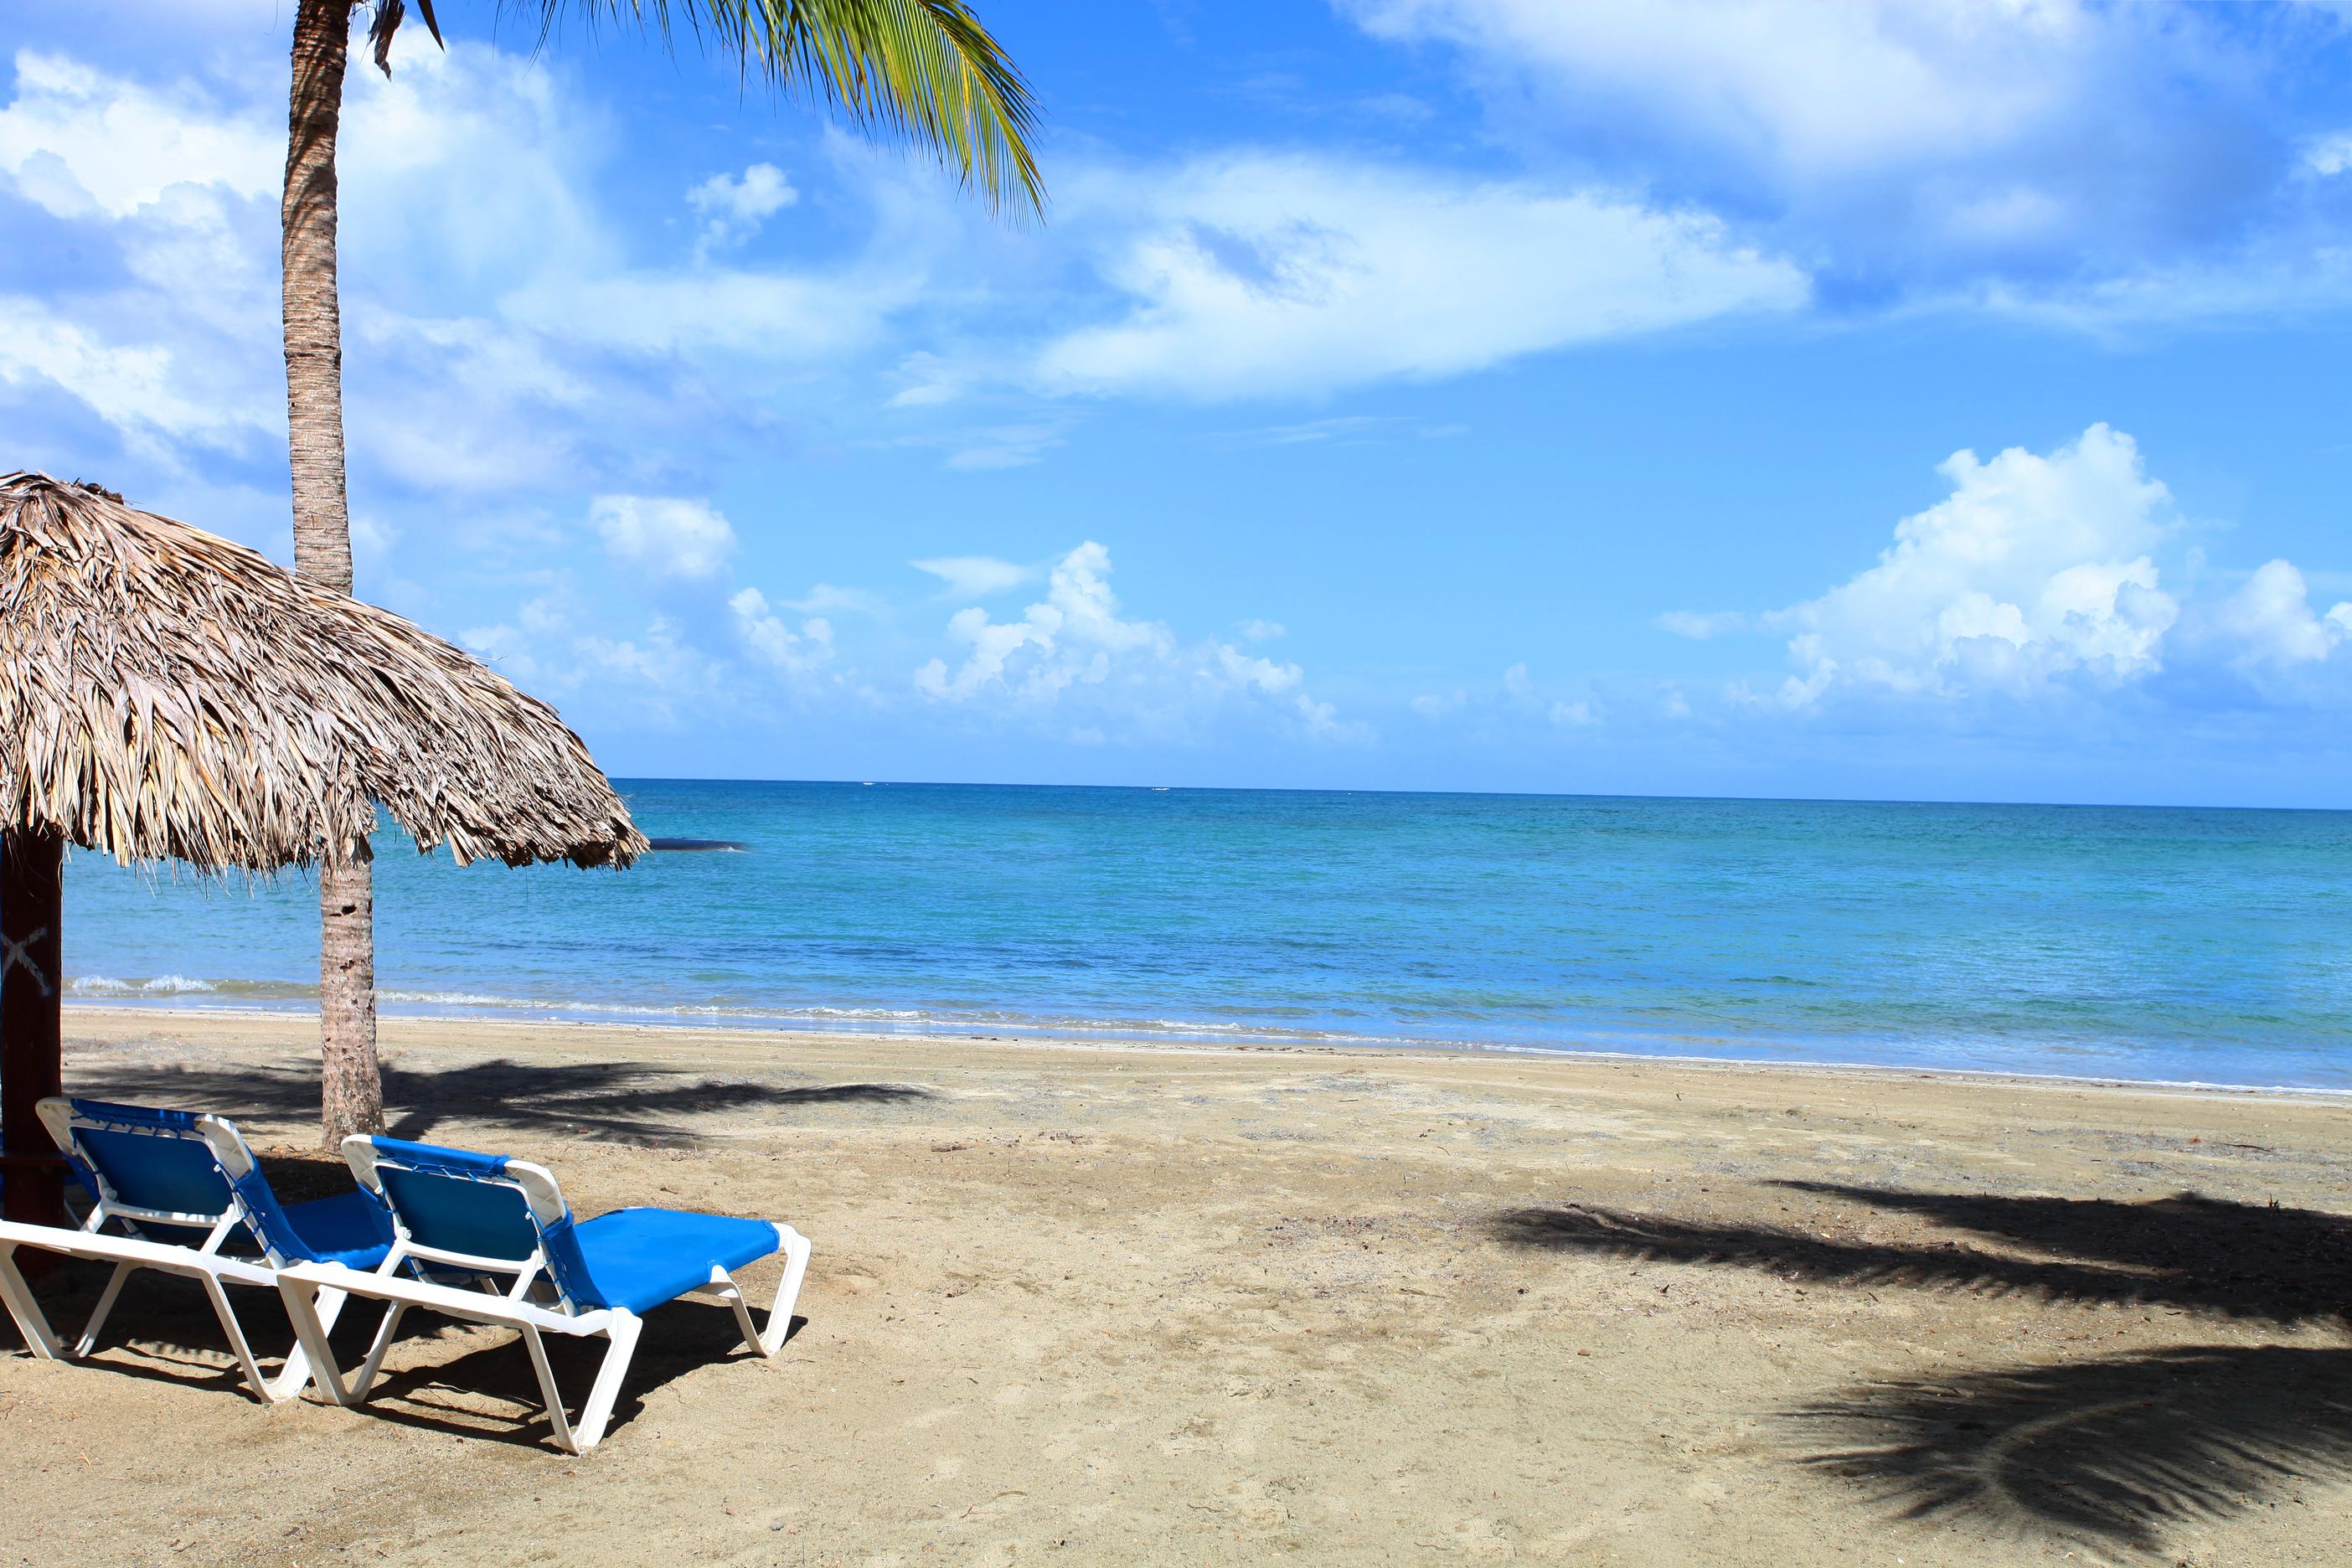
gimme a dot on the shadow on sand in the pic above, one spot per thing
(2238, 1260)
(2113, 1450)
(613, 1102)
(2109, 1451)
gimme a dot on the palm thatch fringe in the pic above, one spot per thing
(166, 693)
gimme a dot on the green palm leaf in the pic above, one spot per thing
(922, 72)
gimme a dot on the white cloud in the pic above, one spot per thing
(2328, 154)
(81, 142)
(1573, 715)
(147, 391)
(1263, 630)
(1255, 275)
(2033, 570)
(928, 380)
(974, 576)
(777, 645)
(2273, 622)
(1808, 91)
(1911, 145)
(469, 168)
(666, 534)
(733, 206)
(1073, 658)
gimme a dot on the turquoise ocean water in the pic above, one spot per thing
(2193, 945)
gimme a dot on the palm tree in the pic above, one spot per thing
(922, 72)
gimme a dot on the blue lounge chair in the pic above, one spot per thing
(179, 1186)
(501, 1227)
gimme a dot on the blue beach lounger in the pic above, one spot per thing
(494, 1222)
(180, 1186)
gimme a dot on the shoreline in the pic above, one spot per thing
(1185, 1044)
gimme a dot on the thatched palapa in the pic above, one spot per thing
(166, 693)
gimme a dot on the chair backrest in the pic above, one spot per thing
(455, 1210)
(145, 1166)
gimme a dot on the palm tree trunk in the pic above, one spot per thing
(351, 1091)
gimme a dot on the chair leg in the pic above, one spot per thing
(546, 1390)
(788, 1292)
(312, 1350)
(236, 1332)
(325, 1308)
(385, 1333)
(31, 1321)
(89, 1341)
(795, 1248)
(596, 1411)
(606, 1390)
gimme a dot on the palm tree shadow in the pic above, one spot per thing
(2283, 1266)
(2108, 1451)
(2111, 1451)
(612, 1103)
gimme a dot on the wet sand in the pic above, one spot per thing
(1124, 1305)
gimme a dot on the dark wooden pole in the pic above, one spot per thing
(32, 902)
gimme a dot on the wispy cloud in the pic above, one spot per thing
(1250, 276)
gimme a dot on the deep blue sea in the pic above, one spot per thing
(2181, 944)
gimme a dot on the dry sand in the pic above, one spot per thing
(1115, 1305)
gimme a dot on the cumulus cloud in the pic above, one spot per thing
(2273, 625)
(733, 206)
(669, 535)
(2038, 574)
(2034, 569)
(1074, 659)
(794, 652)
(1257, 275)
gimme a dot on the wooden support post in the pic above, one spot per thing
(32, 979)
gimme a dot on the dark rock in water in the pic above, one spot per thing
(700, 845)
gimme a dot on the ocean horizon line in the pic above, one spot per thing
(622, 781)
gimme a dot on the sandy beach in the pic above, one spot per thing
(1122, 1304)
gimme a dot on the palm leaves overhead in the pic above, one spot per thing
(920, 71)
(923, 71)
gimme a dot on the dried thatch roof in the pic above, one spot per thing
(166, 693)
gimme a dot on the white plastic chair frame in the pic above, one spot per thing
(304, 1284)
(203, 1263)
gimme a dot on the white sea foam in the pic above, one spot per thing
(161, 985)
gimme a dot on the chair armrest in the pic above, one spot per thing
(447, 1299)
(135, 1250)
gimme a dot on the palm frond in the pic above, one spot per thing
(926, 72)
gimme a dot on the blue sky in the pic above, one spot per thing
(1913, 400)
